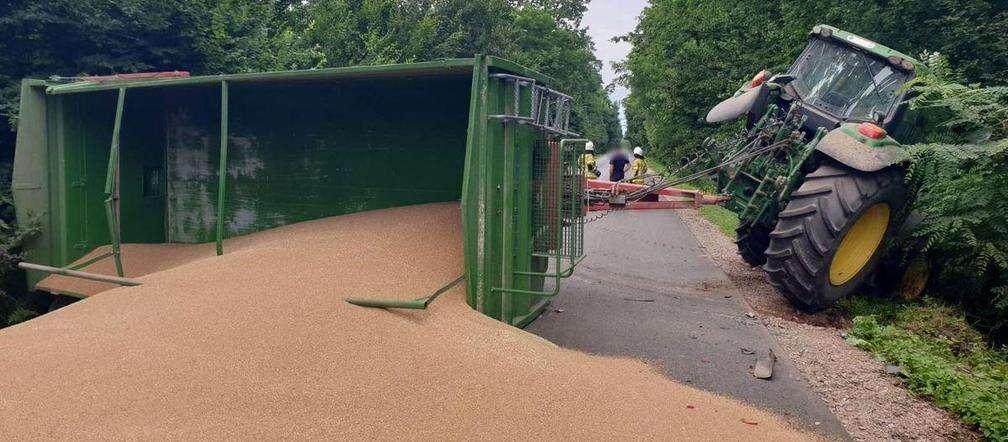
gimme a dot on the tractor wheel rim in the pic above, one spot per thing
(860, 244)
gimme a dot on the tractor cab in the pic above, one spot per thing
(839, 78)
(842, 78)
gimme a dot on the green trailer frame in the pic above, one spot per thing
(200, 159)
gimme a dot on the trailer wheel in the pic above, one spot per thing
(752, 243)
(828, 239)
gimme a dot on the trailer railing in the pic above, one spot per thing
(557, 212)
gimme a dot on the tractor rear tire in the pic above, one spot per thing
(752, 242)
(828, 240)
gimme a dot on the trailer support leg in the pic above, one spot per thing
(413, 304)
(78, 274)
(112, 185)
(222, 173)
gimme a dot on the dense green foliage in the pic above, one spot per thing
(688, 54)
(542, 34)
(12, 237)
(39, 39)
(75, 37)
(961, 209)
(940, 357)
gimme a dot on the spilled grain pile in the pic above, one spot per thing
(259, 344)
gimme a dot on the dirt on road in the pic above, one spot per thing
(258, 344)
(871, 404)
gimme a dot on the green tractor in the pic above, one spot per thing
(817, 175)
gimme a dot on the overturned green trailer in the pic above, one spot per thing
(107, 160)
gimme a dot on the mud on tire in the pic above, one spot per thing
(810, 230)
(752, 242)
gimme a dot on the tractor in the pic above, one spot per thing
(816, 175)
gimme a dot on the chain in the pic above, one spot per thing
(610, 208)
(751, 150)
(599, 215)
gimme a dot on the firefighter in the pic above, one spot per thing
(588, 162)
(639, 168)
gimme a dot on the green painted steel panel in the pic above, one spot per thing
(30, 180)
(304, 151)
(192, 161)
(498, 226)
(86, 139)
(142, 180)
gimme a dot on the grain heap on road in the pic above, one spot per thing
(258, 343)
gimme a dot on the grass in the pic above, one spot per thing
(725, 220)
(940, 355)
(20, 314)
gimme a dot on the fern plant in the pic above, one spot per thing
(960, 178)
(12, 237)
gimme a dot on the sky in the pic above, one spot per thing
(606, 19)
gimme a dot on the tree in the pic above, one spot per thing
(97, 37)
(543, 35)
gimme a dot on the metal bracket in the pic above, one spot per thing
(548, 110)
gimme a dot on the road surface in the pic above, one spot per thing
(647, 291)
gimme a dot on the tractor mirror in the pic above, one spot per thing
(878, 117)
(782, 79)
(734, 107)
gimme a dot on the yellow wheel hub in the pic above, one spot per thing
(859, 245)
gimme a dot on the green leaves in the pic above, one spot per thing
(962, 197)
(74, 37)
(943, 359)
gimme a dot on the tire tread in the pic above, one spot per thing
(809, 227)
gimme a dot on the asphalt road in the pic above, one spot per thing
(647, 291)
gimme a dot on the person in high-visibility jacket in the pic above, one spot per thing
(588, 162)
(639, 168)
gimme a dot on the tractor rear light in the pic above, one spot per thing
(871, 131)
(759, 79)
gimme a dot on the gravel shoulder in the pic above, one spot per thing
(870, 404)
